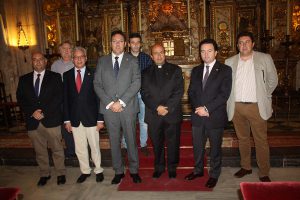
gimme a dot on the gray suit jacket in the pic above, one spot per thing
(266, 81)
(124, 87)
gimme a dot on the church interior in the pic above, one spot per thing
(27, 26)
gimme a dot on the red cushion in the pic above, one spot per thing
(270, 190)
(9, 193)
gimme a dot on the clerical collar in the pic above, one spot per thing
(159, 66)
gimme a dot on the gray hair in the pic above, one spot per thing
(83, 50)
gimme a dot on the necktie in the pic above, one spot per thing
(78, 81)
(205, 77)
(37, 85)
(116, 67)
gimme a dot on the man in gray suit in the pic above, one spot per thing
(250, 103)
(117, 82)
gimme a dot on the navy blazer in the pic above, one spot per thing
(168, 93)
(49, 101)
(84, 106)
(214, 96)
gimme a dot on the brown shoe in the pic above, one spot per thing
(242, 172)
(265, 179)
(145, 151)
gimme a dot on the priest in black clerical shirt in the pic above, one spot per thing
(162, 90)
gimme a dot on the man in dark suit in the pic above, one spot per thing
(162, 90)
(208, 92)
(40, 94)
(81, 114)
(117, 82)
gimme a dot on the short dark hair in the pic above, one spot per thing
(135, 35)
(209, 41)
(118, 32)
(245, 33)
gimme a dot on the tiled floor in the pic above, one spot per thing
(27, 177)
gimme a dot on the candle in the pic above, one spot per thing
(267, 15)
(204, 13)
(288, 17)
(76, 22)
(189, 14)
(140, 16)
(122, 26)
(3, 29)
(58, 26)
(46, 35)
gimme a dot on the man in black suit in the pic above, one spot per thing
(208, 92)
(162, 90)
(40, 94)
(81, 116)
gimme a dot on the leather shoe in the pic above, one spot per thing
(136, 178)
(192, 176)
(117, 179)
(172, 174)
(212, 182)
(43, 180)
(145, 151)
(156, 174)
(82, 178)
(99, 177)
(242, 172)
(265, 179)
(61, 180)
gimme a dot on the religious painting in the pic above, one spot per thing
(278, 22)
(67, 28)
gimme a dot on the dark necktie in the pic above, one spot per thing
(205, 77)
(116, 67)
(37, 85)
(78, 81)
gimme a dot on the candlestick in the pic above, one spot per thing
(140, 16)
(204, 13)
(288, 18)
(267, 15)
(122, 17)
(76, 22)
(189, 14)
(46, 35)
(58, 27)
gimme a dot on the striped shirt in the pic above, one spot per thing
(245, 85)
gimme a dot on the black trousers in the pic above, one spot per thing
(162, 133)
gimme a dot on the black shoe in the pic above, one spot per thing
(117, 179)
(43, 180)
(212, 182)
(192, 176)
(242, 172)
(156, 174)
(145, 151)
(265, 179)
(172, 174)
(136, 178)
(82, 178)
(61, 180)
(99, 177)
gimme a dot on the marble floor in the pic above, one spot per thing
(27, 177)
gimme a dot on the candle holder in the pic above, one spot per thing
(266, 41)
(287, 45)
(191, 56)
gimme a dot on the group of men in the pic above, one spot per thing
(125, 85)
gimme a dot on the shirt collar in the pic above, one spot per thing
(41, 73)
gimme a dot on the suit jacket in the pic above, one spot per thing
(214, 96)
(167, 93)
(83, 106)
(49, 101)
(124, 87)
(266, 81)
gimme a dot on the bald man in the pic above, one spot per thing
(40, 94)
(162, 90)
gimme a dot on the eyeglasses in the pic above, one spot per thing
(79, 57)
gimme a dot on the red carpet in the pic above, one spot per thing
(164, 183)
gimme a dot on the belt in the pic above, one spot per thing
(245, 102)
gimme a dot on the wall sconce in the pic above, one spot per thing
(22, 39)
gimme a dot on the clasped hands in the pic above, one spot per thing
(116, 107)
(38, 114)
(162, 110)
(201, 111)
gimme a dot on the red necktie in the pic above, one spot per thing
(78, 81)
